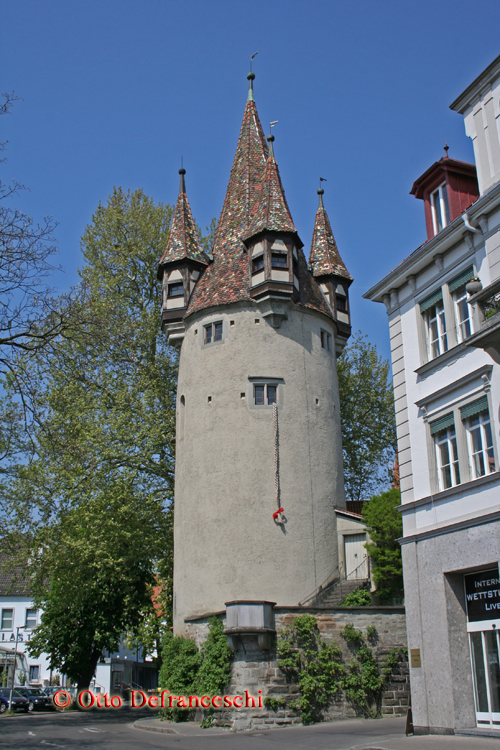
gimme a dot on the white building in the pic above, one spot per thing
(443, 324)
(18, 618)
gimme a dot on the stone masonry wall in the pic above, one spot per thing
(257, 672)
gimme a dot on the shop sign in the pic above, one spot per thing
(482, 595)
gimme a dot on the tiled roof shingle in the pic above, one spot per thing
(183, 241)
(324, 256)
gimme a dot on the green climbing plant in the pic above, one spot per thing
(317, 667)
(363, 681)
(304, 657)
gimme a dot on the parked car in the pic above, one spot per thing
(37, 697)
(19, 702)
(4, 704)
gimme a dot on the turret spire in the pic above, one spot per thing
(183, 241)
(324, 257)
(272, 213)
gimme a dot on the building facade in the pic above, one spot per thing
(18, 619)
(442, 308)
(258, 444)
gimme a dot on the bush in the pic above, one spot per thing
(189, 671)
(358, 598)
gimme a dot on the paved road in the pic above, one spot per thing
(115, 731)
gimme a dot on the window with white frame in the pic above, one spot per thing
(34, 672)
(7, 619)
(432, 310)
(463, 311)
(476, 419)
(445, 442)
(440, 208)
(30, 618)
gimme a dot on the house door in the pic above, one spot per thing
(485, 654)
(356, 563)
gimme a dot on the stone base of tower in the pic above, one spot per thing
(255, 671)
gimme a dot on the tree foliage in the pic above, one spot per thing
(103, 436)
(385, 526)
(367, 418)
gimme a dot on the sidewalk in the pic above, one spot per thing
(427, 742)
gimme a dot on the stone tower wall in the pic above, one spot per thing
(227, 545)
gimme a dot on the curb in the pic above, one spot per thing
(159, 730)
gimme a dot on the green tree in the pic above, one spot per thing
(367, 418)
(385, 526)
(100, 585)
(103, 432)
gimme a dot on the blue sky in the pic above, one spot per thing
(115, 91)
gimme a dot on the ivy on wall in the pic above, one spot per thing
(317, 667)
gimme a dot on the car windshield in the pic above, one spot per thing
(17, 694)
(5, 692)
(36, 691)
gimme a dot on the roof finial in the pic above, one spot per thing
(182, 172)
(321, 191)
(270, 138)
(251, 77)
(446, 148)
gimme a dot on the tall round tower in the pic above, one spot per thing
(258, 442)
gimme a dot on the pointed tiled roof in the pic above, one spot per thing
(183, 241)
(272, 212)
(324, 257)
(226, 279)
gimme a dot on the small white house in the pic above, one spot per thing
(18, 619)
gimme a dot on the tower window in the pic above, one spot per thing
(265, 394)
(341, 303)
(279, 260)
(440, 208)
(258, 264)
(326, 341)
(213, 332)
(176, 289)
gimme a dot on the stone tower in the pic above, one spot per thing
(258, 442)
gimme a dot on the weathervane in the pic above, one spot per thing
(251, 58)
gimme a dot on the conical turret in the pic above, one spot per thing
(182, 261)
(329, 270)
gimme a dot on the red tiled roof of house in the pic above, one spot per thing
(183, 241)
(324, 256)
(227, 278)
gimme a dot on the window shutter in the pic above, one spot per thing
(476, 407)
(462, 279)
(442, 423)
(430, 301)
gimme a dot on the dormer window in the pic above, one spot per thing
(258, 264)
(440, 208)
(279, 260)
(176, 289)
(341, 303)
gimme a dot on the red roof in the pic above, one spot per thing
(183, 241)
(227, 278)
(324, 256)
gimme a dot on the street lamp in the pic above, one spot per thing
(18, 628)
